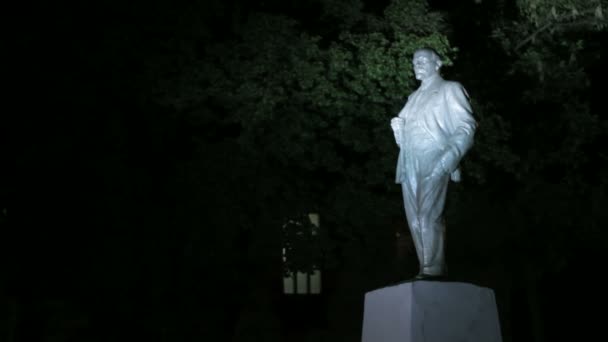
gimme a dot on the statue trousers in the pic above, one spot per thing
(424, 200)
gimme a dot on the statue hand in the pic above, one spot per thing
(396, 123)
(449, 160)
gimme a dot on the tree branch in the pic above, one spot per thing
(549, 23)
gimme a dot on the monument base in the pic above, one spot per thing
(431, 311)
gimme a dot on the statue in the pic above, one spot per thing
(434, 130)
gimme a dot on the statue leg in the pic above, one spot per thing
(431, 202)
(424, 200)
(411, 213)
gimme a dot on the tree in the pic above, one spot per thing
(303, 106)
(313, 108)
(552, 53)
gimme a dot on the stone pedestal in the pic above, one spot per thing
(431, 311)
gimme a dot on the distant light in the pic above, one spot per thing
(303, 283)
(288, 285)
(315, 282)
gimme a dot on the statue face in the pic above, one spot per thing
(425, 64)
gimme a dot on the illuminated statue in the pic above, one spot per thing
(434, 130)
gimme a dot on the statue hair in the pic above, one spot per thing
(436, 55)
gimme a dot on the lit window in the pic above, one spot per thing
(301, 255)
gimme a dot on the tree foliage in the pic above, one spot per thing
(565, 13)
(314, 107)
(551, 49)
(184, 142)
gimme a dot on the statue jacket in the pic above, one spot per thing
(447, 116)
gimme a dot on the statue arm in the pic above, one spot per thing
(461, 115)
(396, 126)
(464, 125)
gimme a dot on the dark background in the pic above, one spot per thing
(126, 219)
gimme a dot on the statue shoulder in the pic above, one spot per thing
(410, 96)
(455, 88)
(452, 85)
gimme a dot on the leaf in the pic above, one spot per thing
(575, 12)
(598, 12)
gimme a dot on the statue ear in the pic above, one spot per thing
(438, 64)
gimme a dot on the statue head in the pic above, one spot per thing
(426, 62)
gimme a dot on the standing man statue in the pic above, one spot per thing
(434, 130)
